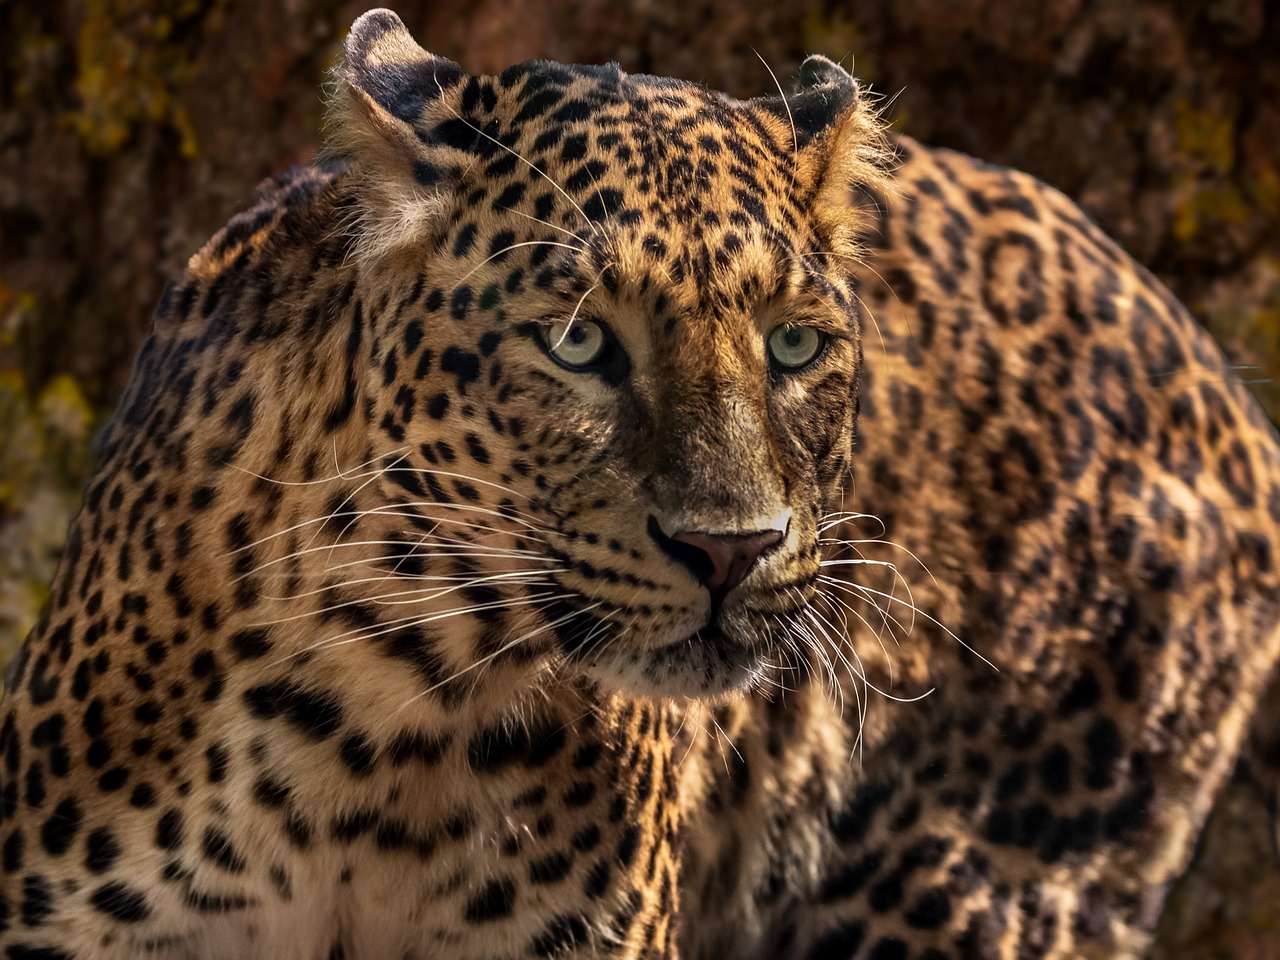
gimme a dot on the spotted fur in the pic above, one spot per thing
(385, 631)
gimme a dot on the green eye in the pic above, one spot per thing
(793, 347)
(576, 343)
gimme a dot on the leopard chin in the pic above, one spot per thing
(703, 665)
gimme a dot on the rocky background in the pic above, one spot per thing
(131, 129)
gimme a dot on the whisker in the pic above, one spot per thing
(889, 696)
(392, 510)
(519, 576)
(862, 561)
(425, 594)
(531, 521)
(340, 475)
(812, 643)
(515, 246)
(545, 223)
(436, 472)
(510, 644)
(886, 618)
(491, 553)
(945, 629)
(568, 327)
(839, 517)
(402, 623)
(532, 166)
(850, 587)
(795, 140)
(727, 739)
(877, 633)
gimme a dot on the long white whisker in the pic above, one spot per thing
(509, 645)
(886, 618)
(877, 633)
(889, 696)
(933, 620)
(362, 601)
(526, 577)
(532, 166)
(479, 552)
(545, 223)
(508, 249)
(410, 622)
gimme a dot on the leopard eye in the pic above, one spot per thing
(792, 347)
(575, 343)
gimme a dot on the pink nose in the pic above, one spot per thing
(729, 556)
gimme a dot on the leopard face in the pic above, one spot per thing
(653, 344)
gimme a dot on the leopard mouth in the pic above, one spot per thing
(707, 661)
(727, 641)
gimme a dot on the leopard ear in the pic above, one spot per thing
(821, 94)
(818, 71)
(839, 131)
(389, 97)
(394, 75)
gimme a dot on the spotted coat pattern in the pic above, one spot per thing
(384, 630)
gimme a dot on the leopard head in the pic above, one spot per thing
(613, 321)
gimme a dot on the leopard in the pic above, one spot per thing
(588, 515)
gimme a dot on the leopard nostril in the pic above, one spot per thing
(720, 561)
(732, 555)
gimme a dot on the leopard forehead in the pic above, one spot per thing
(643, 167)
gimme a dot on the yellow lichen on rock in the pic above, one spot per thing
(129, 70)
(44, 459)
(1206, 142)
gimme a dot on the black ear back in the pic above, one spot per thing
(819, 71)
(381, 60)
(821, 93)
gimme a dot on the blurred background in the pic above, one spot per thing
(130, 130)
